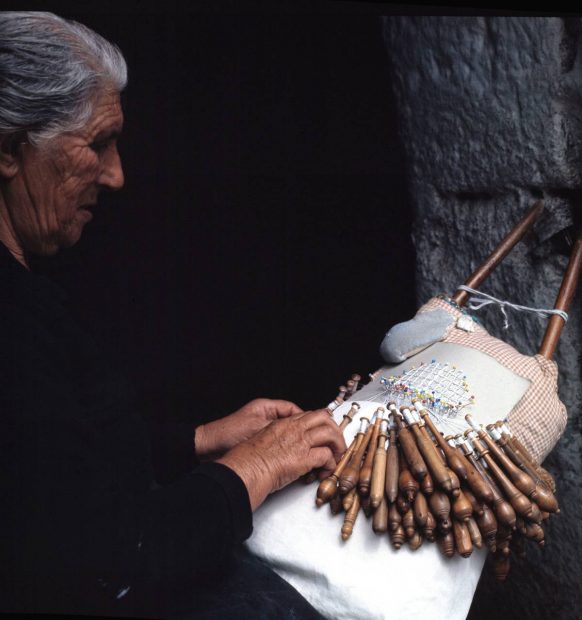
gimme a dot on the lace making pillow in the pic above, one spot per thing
(365, 577)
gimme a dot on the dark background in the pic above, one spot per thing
(261, 245)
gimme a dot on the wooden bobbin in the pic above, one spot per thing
(475, 480)
(488, 527)
(525, 457)
(348, 499)
(397, 537)
(501, 565)
(517, 499)
(545, 499)
(427, 484)
(377, 488)
(402, 504)
(338, 400)
(408, 445)
(420, 510)
(476, 506)
(408, 523)
(329, 486)
(408, 486)
(463, 542)
(504, 512)
(429, 453)
(349, 477)
(453, 458)
(351, 385)
(518, 477)
(446, 543)
(462, 508)
(430, 527)
(415, 541)
(366, 506)
(392, 468)
(349, 416)
(365, 477)
(440, 506)
(394, 517)
(380, 519)
(350, 518)
(335, 504)
(474, 533)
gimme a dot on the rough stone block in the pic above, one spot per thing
(491, 120)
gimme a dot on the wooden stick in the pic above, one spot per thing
(563, 301)
(408, 445)
(351, 473)
(463, 541)
(328, 487)
(392, 468)
(500, 252)
(380, 520)
(455, 462)
(523, 481)
(351, 516)
(519, 502)
(349, 416)
(377, 489)
(429, 453)
(365, 477)
(542, 495)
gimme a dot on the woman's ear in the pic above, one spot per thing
(10, 145)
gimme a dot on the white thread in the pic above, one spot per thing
(479, 299)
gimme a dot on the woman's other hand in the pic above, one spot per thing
(215, 438)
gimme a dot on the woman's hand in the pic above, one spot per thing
(215, 438)
(284, 450)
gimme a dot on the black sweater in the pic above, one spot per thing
(82, 519)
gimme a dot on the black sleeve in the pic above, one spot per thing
(82, 517)
(193, 524)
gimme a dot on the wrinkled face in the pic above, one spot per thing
(58, 184)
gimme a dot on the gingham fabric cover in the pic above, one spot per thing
(539, 418)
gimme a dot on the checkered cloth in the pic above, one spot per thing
(539, 418)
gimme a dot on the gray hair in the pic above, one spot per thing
(51, 71)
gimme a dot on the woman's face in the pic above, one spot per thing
(56, 186)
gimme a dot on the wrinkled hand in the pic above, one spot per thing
(217, 437)
(284, 450)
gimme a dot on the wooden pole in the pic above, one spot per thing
(500, 252)
(563, 301)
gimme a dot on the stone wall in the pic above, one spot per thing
(491, 120)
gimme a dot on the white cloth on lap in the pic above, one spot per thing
(363, 578)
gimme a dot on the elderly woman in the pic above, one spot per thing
(85, 528)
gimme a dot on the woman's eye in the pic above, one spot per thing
(99, 147)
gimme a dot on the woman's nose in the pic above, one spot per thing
(111, 176)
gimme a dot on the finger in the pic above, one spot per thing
(315, 418)
(312, 411)
(284, 408)
(325, 436)
(320, 418)
(322, 457)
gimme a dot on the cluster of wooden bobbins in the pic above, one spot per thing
(462, 491)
